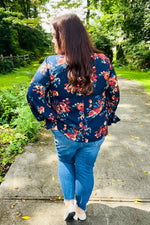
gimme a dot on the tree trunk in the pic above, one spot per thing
(88, 12)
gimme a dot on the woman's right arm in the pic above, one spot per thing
(37, 95)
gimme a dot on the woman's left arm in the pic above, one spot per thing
(113, 96)
(37, 96)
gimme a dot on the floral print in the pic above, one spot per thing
(83, 118)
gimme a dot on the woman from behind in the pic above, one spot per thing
(76, 92)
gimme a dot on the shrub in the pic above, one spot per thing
(18, 125)
(137, 56)
(100, 40)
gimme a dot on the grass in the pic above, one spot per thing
(25, 74)
(21, 75)
(142, 78)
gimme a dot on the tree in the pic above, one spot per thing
(29, 8)
(19, 35)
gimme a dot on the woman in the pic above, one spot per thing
(76, 92)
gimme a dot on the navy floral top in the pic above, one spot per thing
(82, 118)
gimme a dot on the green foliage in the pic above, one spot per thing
(8, 65)
(128, 23)
(136, 56)
(11, 99)
(21, 36)
(18, 125)
(34, 40)
(28, 8)
(100, 40)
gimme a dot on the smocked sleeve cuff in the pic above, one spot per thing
(113, 119)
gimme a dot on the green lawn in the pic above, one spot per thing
(142, 78)
(21, 75)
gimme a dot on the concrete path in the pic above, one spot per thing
(121, 194)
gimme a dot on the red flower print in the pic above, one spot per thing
(113, 97)
(63, 107)
(81, 124)
(42, 93)
(106, 75)
(94, 112)
(61, 60)
(110, 66)
(94, 76)
(39, 89)
(80, 107)
(90, 101)
(97, 134)
(65, 127)
(100, 55)
(103, 131)
(55, 93)
(67, 88)
(51, 117)
(41, 109)
(116, 89)
(52, 77)
(112, 82)
(72, 135)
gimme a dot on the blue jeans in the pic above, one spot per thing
(75, 170)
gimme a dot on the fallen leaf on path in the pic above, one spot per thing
(137, 201)
(53, 199)
(110, 196)
(25, 217)
(12, 206)
(17, 214)
(16, 188)
(119, 180)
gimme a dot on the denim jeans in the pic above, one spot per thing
(75, 170)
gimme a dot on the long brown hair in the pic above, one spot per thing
(73, 41)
